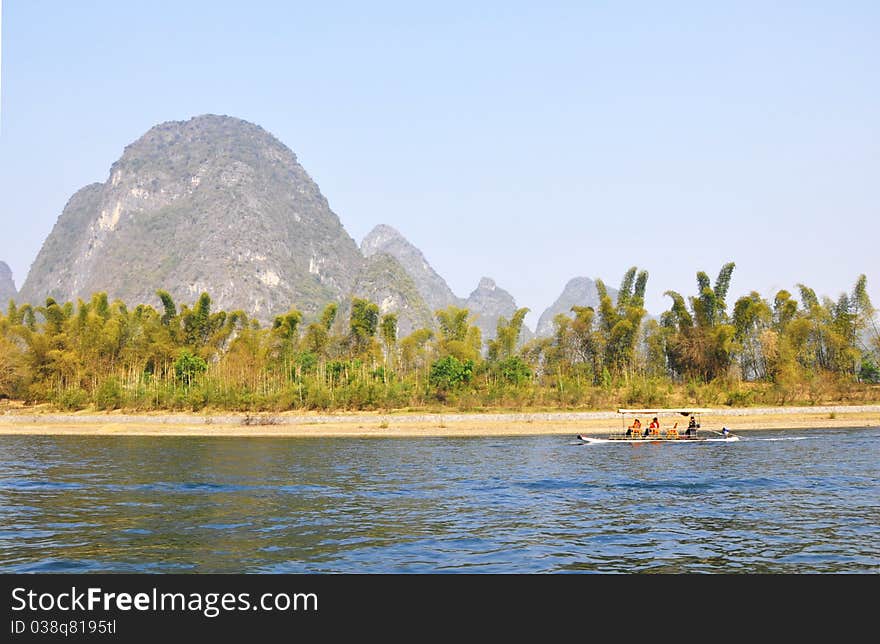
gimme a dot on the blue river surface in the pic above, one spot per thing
(795, 501)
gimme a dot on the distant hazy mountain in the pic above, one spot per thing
(433, 288)
(212, 204)
(580, 291)
(487, 303)
(385, 282)
(7, 286)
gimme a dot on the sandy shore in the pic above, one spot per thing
(390, 425)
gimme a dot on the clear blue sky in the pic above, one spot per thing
(530, 142)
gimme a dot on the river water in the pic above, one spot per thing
(792, 501)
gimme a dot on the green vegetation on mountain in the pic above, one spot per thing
(433, 289)
(384, 281)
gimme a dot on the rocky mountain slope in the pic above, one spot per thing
(487, 303)
(579, 291)
(433, 288)
(385, 282)
(7, 286)
(212, 204)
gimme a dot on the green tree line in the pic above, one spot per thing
(793, 348)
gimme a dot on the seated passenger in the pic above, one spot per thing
(633, 429)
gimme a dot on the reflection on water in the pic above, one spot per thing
(527, 504)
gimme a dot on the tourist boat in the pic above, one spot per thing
(679, 432)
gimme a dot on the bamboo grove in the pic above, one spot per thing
(795, 348)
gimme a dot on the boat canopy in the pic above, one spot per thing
(684, 411)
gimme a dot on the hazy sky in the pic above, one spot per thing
(530, 142)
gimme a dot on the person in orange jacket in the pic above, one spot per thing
(634, 428)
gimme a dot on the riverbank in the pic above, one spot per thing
(390, 425)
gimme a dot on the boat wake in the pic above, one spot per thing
(786, 438)
(587, 440)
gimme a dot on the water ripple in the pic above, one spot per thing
(529, 504)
